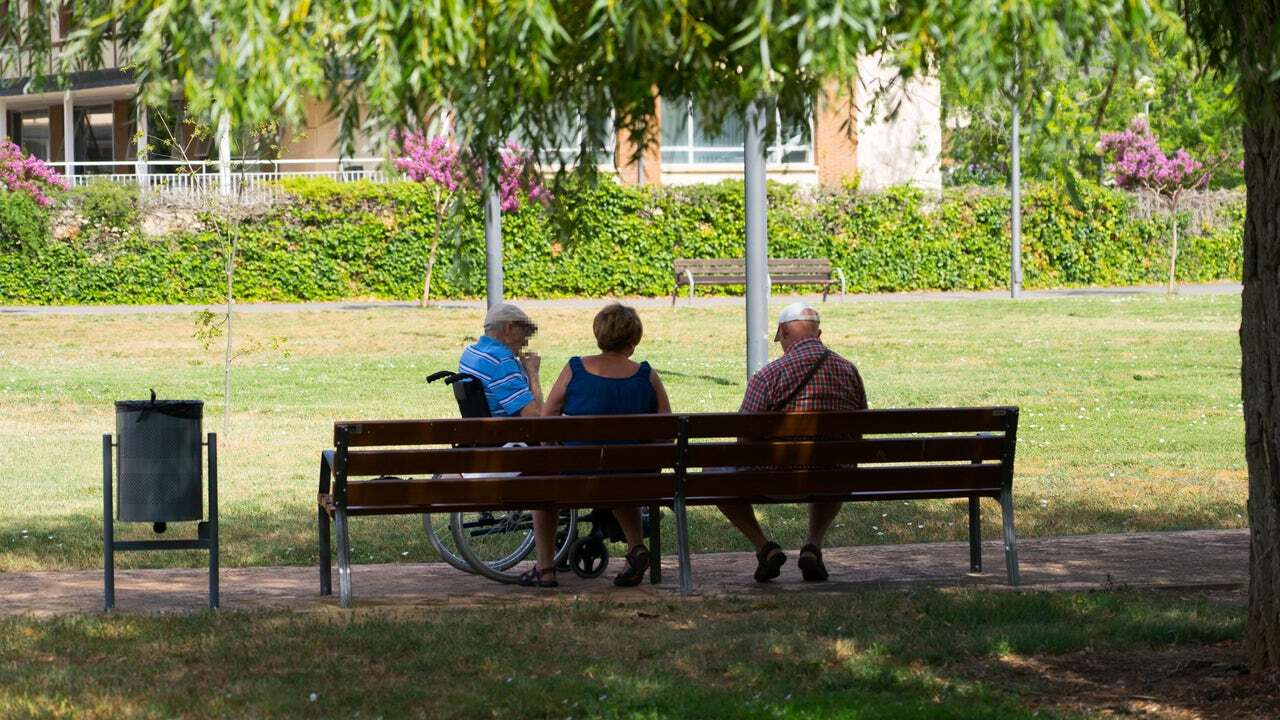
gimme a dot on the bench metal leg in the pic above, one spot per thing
(326, 554)
(1010, 543)
(655, 544)
(975, 535)
(344, 558)
(682, 547)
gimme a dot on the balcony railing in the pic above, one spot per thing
(242, 178)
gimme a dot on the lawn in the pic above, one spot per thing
(1131, 418)
(920, 654)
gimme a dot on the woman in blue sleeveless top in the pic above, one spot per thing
(606, 384)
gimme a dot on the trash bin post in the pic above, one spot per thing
(108, 530)
(213, 521)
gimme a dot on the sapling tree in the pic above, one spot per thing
(1139, 164)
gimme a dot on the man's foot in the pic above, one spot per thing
(540, 578)
(637, 562)
(811, 565)
(769, 560)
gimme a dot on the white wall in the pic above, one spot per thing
(899, 129)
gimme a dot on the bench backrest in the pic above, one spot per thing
(729, 269)
(596, 463)
(908, 453)
(933, 452)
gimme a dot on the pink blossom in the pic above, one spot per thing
(1139, 162)
(440, 162)
(20, 172)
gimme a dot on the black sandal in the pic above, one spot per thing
(769, 561)
(637, 563)
(534, 578)
(811, 565)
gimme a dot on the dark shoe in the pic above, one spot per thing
(769, 562)
(537, 577)
(811, 565)
(637, 562)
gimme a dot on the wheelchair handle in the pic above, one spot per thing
(438, 375)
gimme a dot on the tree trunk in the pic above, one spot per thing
(1260, 383)
(431, 266)
(431, 256)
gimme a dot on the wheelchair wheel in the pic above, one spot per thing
(492, 542)
(436, 526)
(588, 556)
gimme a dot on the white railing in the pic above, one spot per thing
(241, 178)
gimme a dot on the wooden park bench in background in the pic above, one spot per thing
(733, 271)
(391, 467)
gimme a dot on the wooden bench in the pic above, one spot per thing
(733, 271)
(676, 461)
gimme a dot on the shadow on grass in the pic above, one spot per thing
(870, 654)
(254, 534)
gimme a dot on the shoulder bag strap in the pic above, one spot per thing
(807, 377)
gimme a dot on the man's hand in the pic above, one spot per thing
(531, 363)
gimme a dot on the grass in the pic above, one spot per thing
(1130, 412)
(872, 655)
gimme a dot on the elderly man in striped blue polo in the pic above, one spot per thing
(509, 375)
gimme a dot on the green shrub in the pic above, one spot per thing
(362, 239)
(107, 208)
(24, 225)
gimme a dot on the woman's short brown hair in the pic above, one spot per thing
(617, 327)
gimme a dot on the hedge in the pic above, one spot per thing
(368, 240)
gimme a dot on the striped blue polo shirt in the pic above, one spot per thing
(505, 385)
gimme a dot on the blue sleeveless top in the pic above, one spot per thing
(589, 394)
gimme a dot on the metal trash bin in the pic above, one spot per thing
(157, 451)
(158, 460)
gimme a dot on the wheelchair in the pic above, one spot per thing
(490, 543)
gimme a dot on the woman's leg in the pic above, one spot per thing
(632, 526)
(544, 538)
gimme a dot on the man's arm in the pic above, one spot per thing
(530, 363)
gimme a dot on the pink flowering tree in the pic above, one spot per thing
(442, 167)
(1138, 163)
(23, 173)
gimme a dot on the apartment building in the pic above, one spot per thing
(97, 128)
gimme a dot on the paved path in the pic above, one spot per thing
(713, 301)
(1210, 560)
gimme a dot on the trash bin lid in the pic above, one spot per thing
(193, 409)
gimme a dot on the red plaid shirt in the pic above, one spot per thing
(835, 386)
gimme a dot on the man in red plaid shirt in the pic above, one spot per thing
(808, 376)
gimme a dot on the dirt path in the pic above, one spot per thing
(1211, 560)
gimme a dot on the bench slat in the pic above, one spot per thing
(860, 422)
(547, 459)
(529, 491)
(775, 484)
(837, 452)
(502, 430)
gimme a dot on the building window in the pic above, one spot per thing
(94, 137)
(568, 142)
(33, 133)
(687, 140)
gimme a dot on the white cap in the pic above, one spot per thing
(798, 311)
(506, 313)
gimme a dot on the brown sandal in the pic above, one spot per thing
(637, 563)
(769, 560)
(534, 577)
